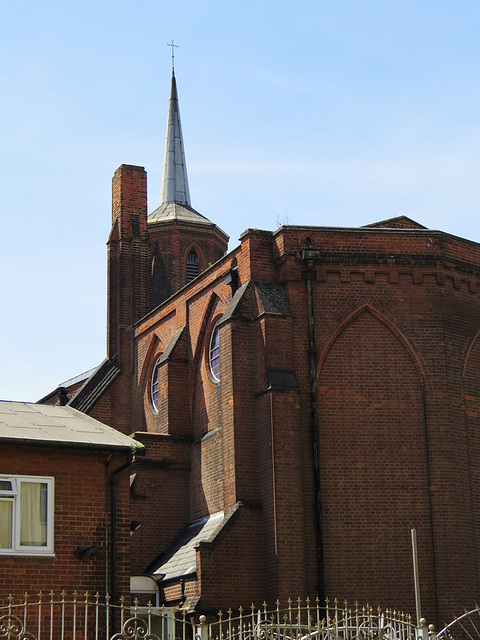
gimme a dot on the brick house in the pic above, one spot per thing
(305, 400)
(58, 467)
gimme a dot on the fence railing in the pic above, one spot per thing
(87, 616)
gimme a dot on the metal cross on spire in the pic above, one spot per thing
(173, 45)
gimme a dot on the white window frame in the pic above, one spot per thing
(13, 496)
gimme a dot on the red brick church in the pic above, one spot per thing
(305, 399)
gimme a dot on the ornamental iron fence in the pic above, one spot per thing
(94, 617)
(465, 627)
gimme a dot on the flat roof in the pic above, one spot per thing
(26, 422)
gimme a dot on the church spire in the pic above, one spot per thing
(182, 241)
(174, 193)
(174, 186)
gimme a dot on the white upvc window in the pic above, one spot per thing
(26, 515)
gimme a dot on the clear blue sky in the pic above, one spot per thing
(328, 112)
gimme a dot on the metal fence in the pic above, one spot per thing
(86, 616)
(465, 627)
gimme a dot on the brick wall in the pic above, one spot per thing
(80, 480)
(170, 244)
(160, 496)
(396, 316)
(239, 563)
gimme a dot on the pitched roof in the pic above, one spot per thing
(180, 558)
(174, 211)
(399, 222)
(96, 384)
(28, 423)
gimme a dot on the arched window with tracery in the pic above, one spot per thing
(192, 266)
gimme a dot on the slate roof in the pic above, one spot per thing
(179, 559)
(96, 384)
(174, 211)
(272, 298)
(28, 423)
(282, 380)
(80, 378)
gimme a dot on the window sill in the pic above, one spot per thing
(23, 554)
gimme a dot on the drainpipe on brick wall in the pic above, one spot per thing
(310, 255)
(113, 520)
(107, 548)
(430, 509)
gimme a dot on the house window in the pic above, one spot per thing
(154, 386)
(214, 354)
(192, 266)
(26, 515)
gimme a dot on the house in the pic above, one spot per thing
(64, 502)
(305, 400)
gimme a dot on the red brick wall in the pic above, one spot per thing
(160, 496)
(239, 563)
(471, 408)
(129, 292)
(396, 313)
(79, 521)
(171, 242)
(374, 484)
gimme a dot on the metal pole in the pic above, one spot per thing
(416, 577)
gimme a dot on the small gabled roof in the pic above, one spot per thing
(179, 559)
(399, 222)
(43, 424)
(97, 382)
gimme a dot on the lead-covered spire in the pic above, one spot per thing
(174, 186)
(174, 192)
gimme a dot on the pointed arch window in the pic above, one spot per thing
(154, 386)
(214, 354)
(192, 266)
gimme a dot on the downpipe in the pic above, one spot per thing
(309, 255)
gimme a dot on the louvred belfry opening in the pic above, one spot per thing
(192, 266)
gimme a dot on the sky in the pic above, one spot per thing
(316, 112)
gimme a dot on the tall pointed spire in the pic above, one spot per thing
(174, 186)
(178, 235)
(174, 191)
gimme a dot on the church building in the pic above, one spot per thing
(305, 400)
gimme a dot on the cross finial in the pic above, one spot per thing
(173, 45)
